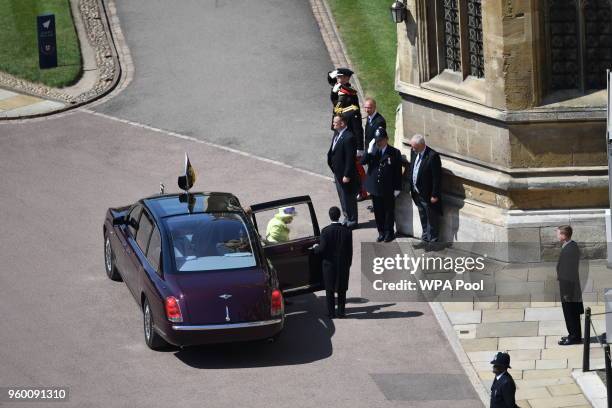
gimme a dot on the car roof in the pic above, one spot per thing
(168, 205)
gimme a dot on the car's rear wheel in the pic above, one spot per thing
(109, 260)
(152, 338)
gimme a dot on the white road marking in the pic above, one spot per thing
(206, 143)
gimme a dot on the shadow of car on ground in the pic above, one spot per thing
(305, 338)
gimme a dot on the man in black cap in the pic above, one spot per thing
(503, 389)
(345, 102)
(336, 250)
(384, 182)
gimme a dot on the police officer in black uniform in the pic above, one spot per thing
(503, 389)
(384, 182)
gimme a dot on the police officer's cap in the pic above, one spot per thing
(344, 72)
(501, 359)
(380, 134)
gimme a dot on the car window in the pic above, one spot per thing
(210, 241)
(133, 219)
(282, 224)
(145, 226)
(154, 250)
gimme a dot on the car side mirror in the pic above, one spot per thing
(119, 221)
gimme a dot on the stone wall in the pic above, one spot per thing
(515, 167)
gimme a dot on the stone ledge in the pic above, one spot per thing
(502, 180)
(559, 114)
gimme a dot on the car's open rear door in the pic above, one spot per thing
(297, 266)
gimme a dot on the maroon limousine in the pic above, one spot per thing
(203, 270)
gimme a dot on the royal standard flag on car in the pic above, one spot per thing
(187, 180)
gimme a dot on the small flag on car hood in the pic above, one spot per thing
(186, 181)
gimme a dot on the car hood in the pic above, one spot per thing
(227, 296)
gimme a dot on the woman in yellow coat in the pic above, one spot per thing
(278, 229)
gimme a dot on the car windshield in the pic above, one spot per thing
(210, 241)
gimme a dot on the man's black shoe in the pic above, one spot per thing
(389, 237)
(331, 316)
(569, 341)
(341, 316)
(380, 238)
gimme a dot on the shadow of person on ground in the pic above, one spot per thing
(372, 311)
(305, 338)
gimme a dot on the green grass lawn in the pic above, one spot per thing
(19, 45)
(370, 38)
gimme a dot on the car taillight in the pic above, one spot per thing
(276, 302)
(173, 310)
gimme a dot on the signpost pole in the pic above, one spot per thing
(47, 47)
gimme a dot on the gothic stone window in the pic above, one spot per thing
(457, 30)
(474, 12)
(580, 42)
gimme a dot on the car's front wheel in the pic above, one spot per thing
(152, 338)
(109, 260)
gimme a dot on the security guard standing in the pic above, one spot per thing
(384, 182)
(345, 101)
(503, 389)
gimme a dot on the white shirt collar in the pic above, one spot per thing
(566, 242)
(370, 117)
(340, 132)
(499, 376)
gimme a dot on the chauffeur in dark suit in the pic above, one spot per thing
(425, 180)
(341, 161)
(384, 182)
(503, 389)
(336, 250)
(569, 285)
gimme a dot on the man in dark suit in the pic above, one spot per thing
(345, 101)
(425, 188)
(336, 250)
(384, 182)
(373, 122)
(569, 285)
(341, 161)
(503, 390)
